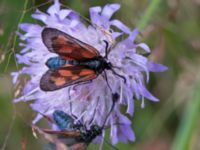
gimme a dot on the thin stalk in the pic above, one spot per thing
(16, 36)
(151, 9)
(189, 121)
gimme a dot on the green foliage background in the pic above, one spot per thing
(171, 28)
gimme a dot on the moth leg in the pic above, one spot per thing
(122, 77)
(71, 113)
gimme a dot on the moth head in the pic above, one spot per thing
(108, 65)
(97, 129)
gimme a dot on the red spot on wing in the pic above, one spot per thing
(63, 133)
(67, 46)
(65, 73)
(59, 81)
(66, 76)
(86, 72)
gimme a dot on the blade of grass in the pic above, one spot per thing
(151, 9)
(189, 121)
(16, 36)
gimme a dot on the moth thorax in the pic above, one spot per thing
(96, 129)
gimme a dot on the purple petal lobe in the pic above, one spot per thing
(109, 9)
(144, 47)
(54, 9)
(94, 14)
(121, 26)
(154, 67)
(147, 94)
(134, 34)
(64, 13)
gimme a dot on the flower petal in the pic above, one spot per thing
(144, 47)
(154, 67)
(94, 14)
(109, 10)
(120, 25)
(55, 8)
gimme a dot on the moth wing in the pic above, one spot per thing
(65, 76)
(69, 138)
(63, 133)
(79, 146)
(58, 137)
(67, 46)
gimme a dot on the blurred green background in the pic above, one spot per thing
(170, 27)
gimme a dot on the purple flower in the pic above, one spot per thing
(89, 101)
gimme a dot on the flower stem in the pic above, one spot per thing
(16, 36)
(189, 121)
(148, 14)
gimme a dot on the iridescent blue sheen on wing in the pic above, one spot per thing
(55, 62)
(63, 120)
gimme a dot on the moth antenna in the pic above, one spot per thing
(107, 49)
(71, 113)
(115, 97)
(113, 71)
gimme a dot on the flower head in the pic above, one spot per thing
(90, 102)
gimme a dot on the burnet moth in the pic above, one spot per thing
(77, 62)
(75, 134)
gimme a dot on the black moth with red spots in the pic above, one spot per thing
(77, 62)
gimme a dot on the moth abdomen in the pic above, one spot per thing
(55, 62)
